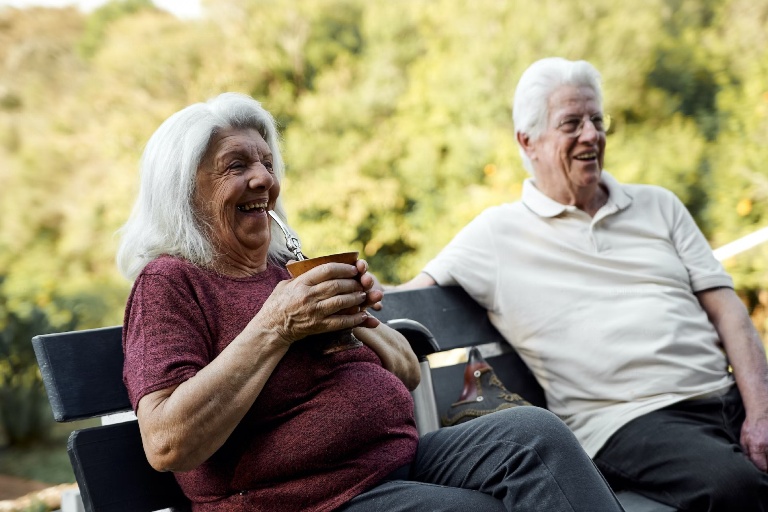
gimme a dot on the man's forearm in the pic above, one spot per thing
(422, 280)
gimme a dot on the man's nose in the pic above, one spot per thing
(588, 130)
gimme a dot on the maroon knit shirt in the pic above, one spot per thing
(323, 429)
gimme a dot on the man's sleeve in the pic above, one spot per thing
(470, 261)
(704, 270)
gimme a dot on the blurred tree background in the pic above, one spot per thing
(395, 118)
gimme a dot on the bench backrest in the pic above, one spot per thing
(456, 321)
(83, 376)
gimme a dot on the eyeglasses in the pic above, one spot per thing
(573, 126)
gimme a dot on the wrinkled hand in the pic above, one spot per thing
(754, 440)
(324, 299)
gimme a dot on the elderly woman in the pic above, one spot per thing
(612, 296)
(223, 368)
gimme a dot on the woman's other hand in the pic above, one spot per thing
(373, 289)
(394, 351)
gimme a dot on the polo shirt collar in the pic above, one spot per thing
(545, 206)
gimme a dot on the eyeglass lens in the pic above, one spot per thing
(575, 125)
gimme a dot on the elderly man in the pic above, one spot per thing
(611, 295)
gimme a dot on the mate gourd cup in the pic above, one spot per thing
(336, 341)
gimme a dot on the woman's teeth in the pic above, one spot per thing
(586, 156)
(252, 206)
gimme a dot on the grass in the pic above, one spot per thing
(46, 461)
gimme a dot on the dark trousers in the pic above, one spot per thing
(522, 459)
(688, 456)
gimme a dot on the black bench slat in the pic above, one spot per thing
(113, 474)
(452, 316)
(83, 372)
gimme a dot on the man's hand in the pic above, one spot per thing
(754, 440)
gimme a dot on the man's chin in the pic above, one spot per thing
(587, 175)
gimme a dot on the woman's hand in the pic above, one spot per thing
(327, 298)
(374, 291)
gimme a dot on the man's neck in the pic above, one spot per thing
(588, 199)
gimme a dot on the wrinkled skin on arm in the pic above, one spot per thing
(747, 357)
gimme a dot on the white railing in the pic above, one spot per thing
(742, 244)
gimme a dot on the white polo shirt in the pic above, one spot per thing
(601, 309)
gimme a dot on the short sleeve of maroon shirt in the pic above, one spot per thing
(323, 429)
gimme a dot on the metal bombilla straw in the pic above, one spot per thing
(328, 342)
(291, 242)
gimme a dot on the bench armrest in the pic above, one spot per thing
(421, 339)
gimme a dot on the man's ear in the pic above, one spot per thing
(525, 142)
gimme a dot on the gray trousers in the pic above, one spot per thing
(521, 459)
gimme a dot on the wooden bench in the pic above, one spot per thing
(82, 373)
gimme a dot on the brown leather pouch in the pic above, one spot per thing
(483, 393)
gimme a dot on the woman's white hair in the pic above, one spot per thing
(163, 220)
(530, 110)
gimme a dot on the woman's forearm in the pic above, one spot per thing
(181, 427)
(394, 351)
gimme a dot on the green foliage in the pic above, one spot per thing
(102, 18)
(24, 411)
(45, 461)
(395, 118)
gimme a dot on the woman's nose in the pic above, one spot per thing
(259, 177)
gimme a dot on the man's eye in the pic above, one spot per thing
(598, 122)
(570, 125)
